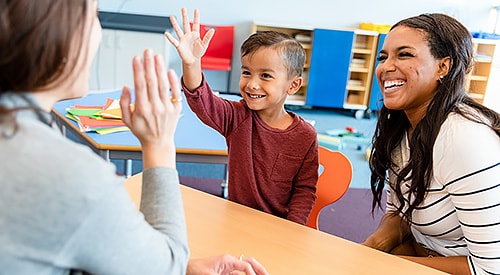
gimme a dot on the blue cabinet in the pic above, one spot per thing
(341, 71)
(329, 69)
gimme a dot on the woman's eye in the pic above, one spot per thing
(406, 54)
(381, 58)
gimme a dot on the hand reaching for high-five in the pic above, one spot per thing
(189, 46)
(156, 111)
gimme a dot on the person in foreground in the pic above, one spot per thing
(63, 208)
(273, 153)
(436, 151)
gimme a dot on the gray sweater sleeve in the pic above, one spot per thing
(125, 241)
(161, 186)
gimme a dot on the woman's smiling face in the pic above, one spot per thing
(408, 74)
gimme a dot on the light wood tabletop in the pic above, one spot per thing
(216, 226)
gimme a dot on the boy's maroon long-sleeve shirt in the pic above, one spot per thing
(272, 170)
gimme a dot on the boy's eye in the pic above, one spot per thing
(266, 75)
(245, 72)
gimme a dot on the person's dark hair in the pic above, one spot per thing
(292, 52)
(446, 37)
(36, 42)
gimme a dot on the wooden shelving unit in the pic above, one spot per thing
(478, 78)
(364, 51)
(304, 35)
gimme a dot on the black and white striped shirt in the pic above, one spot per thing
(460, 214)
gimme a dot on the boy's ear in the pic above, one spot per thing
(295, 85)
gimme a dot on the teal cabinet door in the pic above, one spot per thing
(329, 71)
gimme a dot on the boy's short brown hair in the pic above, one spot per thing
(292, 52)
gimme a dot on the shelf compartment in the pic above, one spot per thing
(478, 78)
(361, 51)
(356, 88)
(478, 86)
(476, 96)
(355, 97)
(359, 70)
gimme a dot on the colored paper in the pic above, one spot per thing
(103, 119)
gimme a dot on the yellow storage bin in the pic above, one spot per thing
(381, 28)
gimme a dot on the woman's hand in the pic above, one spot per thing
(189, 46)
(389, 234)
(154, 116)
(225, 265)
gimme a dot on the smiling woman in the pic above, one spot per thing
(436, 150)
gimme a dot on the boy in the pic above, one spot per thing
(273, 154)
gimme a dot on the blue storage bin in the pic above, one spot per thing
(485, 35)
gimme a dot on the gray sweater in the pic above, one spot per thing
(63, 208)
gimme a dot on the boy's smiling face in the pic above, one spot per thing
(264, 80)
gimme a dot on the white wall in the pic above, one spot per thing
(474, 14)
(477, 15)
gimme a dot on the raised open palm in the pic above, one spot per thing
(190, 46)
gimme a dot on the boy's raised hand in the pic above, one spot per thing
(189, 46)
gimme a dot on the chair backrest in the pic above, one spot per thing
(220, 50)
(333, 182)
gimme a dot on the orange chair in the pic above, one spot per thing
(333, 182)
(220, 51)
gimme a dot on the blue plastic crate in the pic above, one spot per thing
(485, 35)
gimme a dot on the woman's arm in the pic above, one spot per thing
(389, 235)
(111, 237)
(153, 120)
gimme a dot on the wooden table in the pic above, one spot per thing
(216, 226)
